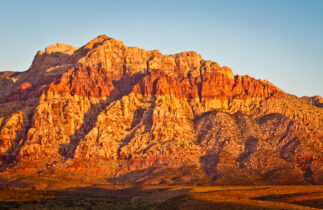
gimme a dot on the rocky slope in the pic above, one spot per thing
(124, 114)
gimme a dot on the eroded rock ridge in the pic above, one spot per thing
(129, 115)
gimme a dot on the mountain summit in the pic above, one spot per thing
(127, 115)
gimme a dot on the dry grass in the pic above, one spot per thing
(165, 197)
(280, 197)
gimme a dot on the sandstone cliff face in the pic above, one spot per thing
(130, 115)
(315, 100)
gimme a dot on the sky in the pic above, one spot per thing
(277, 40)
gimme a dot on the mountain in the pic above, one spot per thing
(127, 115)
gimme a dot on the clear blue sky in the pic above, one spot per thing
(277, 40)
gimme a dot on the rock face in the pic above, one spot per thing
(129, 115)
(315, 100)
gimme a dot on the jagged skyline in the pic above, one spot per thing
(276, 40)
(119, 111)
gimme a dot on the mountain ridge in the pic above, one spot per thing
(124, 114)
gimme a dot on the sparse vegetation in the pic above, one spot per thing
(164, 197)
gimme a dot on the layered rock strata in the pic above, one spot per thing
(130, 115)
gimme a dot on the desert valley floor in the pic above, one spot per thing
(40, 193)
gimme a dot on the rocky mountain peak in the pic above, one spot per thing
(124, 114)
(60, 48)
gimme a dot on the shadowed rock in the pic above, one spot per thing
(108, 110)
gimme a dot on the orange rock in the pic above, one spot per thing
(109, 110)
(25, 86)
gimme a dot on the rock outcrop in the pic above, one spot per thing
(315, 100)
(129, 115)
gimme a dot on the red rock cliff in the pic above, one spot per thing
(141, 116)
